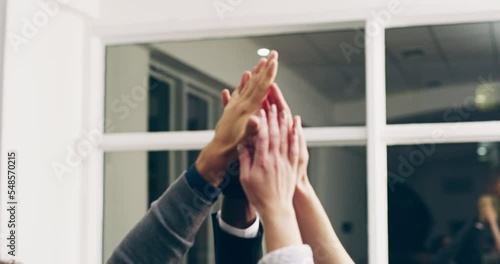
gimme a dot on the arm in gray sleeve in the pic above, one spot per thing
(168, 230)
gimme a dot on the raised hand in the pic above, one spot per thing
(269, 179)
(303, 183)
(238, 119)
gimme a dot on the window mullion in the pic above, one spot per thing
(378, 242)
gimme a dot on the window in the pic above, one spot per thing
(443, 73)
(336, 83)
(183, 94)
(434, 196)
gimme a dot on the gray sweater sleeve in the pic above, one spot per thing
(167, 231)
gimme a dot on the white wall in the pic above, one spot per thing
(42, 117)
(339, 177)
(196, 11)
(203, 14)
(2, 39)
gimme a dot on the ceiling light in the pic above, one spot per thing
(480, 99)
(263, 52)
(487, 95)
(481, 151)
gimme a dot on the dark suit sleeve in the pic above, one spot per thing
(230, 249)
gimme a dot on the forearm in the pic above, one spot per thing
(213, 161)
(282, 229)
(237, 213)
(316, 229)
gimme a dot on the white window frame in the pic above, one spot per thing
(376, 135)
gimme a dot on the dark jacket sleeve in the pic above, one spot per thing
(230, 249)
(168, 230)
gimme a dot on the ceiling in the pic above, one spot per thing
(417, 58)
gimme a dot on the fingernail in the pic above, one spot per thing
(274, 109)
(262, 113)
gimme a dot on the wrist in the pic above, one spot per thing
(303, 190)
(212, 163)
(277, 213)
(238, 213)
(282, 228)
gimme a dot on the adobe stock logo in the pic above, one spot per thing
(78, 153)
(225, 6)
(376, 26)
(31, 26)
(408, 164)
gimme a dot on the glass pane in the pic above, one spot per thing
(434, 198)
(134, 179)
(338, 174)
(197, 113)
(443, 73)
(322, 75)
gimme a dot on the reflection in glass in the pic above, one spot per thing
(443, 73)
(434, 199)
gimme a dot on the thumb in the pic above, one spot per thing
(245, 162)
(252, 126)
(226, 96)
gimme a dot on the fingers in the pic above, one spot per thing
(264, 78)
(272, 55)
(274, 130)
(262, 62)
(272, 65)
(266, 105)
(262, 145)
(293, 142)
(303, 154)
(284, 132)
(226, 96)
(245, 161)
(244, 79)
(252, 126)
(276, 97)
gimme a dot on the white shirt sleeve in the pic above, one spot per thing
(250, 232)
